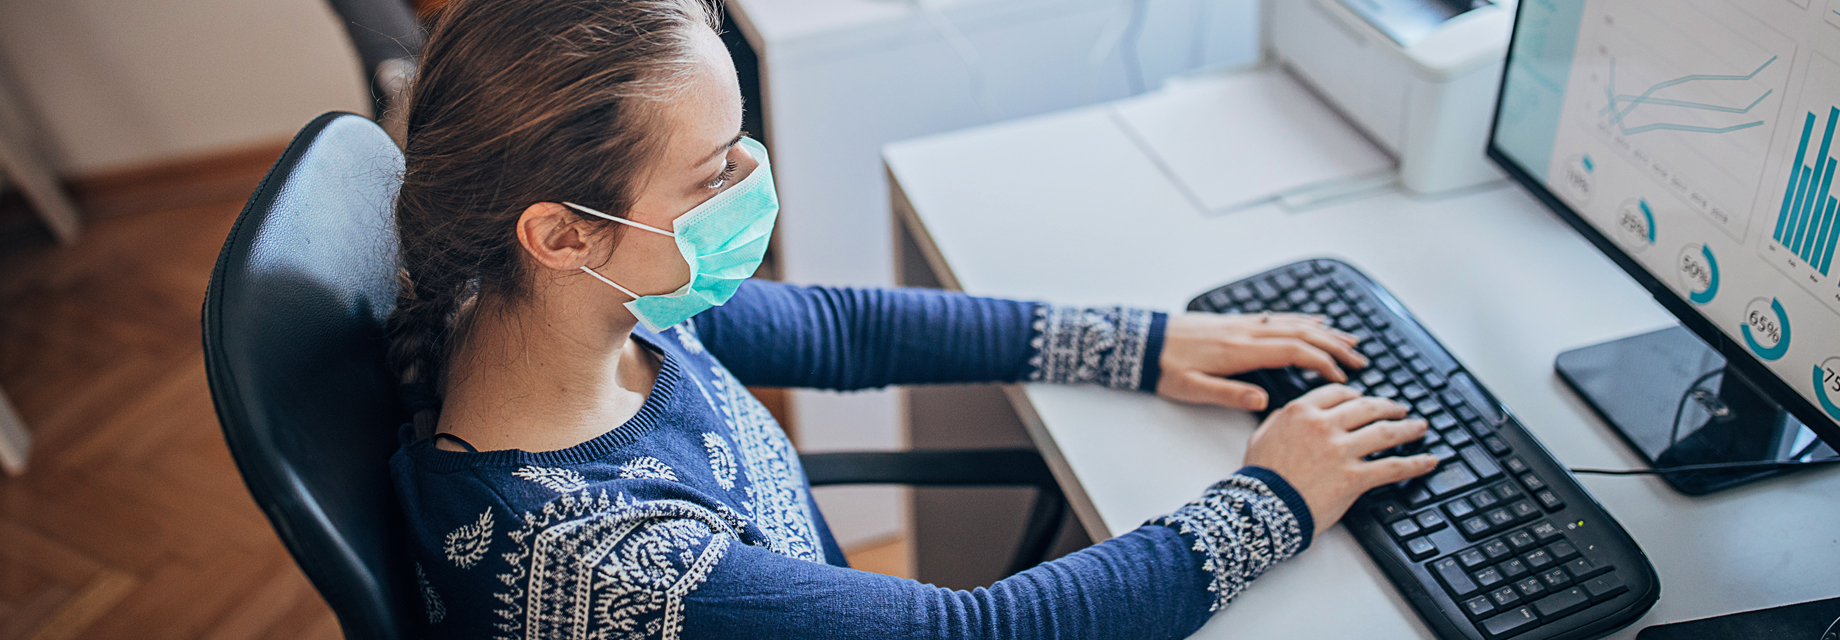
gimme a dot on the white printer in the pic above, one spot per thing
(1420, 77)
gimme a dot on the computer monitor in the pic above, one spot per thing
(1694, 143)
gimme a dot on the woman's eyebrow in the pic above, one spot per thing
(723, 149)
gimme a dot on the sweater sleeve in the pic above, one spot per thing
(773, 334)
(660, 570)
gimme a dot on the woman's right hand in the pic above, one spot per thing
(1318, 443)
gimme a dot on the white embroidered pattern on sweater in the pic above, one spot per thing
(647, 467)
(775, 485)
(721, 460)
(1241, 528)
(468, 543)
(594, 566)
(554, 479)
(1102, 345)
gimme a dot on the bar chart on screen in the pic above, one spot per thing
(1689, 91)
(1804, 238)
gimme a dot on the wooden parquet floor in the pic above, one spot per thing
(132, 522)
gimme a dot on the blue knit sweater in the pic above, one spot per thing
(693, 519)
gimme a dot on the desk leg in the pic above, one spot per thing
(15, 441)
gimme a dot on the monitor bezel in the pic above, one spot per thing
(1734, 353)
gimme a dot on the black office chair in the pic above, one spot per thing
(294, 343)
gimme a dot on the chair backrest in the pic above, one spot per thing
(294, 342)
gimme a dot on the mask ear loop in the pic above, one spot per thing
(629, 292)
(624, 221)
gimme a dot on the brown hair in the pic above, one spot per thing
(519, 102)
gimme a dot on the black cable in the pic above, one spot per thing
(1674, 437)
(1716, 466)
(1681, 407)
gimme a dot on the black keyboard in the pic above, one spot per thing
(1500, 541)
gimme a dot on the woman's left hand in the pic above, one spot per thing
(1201, 349)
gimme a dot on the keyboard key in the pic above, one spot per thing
(1452, 478)
(1417, 365)
(1546, 530)
(1297, 297)
(1417, 495)
(1395, 338)
(1435, 380)
(1443, 452)
(1582, 568)
(1506, 492)
(1505, 596)
(1515, 465)
(1555, 578)
(1563, 550)
(1523, 509)
(1284, 281)
(1458, 437)
(1499, 517)
(1413, 392)
(1348, 322)
(1479, 606)
(1218, 299)
(1480, 461)
(1453, 577)
(1429, 406)
(1529, 587)
(1326, 296)
(1496, 445)
(1549, 499)
(1474, 527)
(1443, 422)
(1463, 411)
(1521, 540)
(1264, 289)
(1562, 603)
(1496, 548)
(1420, 548)
(1472, 558)
(1459, 508)
(1406, 352)
(1388, 511)
(1400, 377)
(1333, 307)
(1404, 528)
(1533, 482)
(1371, 376)
(1603, 587)
(1484, 499)
(1240, 293)
(1384, 391)
(1386, 363)
(1430, 521)
(1514, 568)
(1539, 559)
(1489, 577)
(1433, 437)
(1510, 623)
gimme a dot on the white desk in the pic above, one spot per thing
(1066, 208)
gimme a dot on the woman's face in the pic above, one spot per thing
(700, 158)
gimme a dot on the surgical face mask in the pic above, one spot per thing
(723, 241)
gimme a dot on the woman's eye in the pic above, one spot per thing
(728, 171)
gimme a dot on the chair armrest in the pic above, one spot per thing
(958, 467)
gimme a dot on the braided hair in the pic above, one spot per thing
(519, 102)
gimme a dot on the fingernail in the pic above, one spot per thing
(1257, 399)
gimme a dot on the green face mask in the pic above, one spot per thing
(723, 241)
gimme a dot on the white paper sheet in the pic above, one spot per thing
(1240, 139)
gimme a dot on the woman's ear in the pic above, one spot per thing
(557, 238)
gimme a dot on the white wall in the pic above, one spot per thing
(123, 84)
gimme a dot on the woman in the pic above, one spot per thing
(575, 171)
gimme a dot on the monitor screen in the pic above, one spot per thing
(1694, 142)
